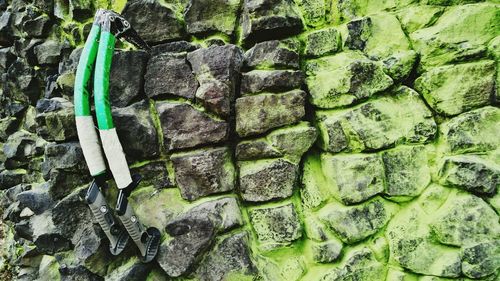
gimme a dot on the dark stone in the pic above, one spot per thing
(154, 22)
(217, 71)
(36, 201)
(20, 148)
(51, 243)
(264, 20)
(192, 237)
(81, 9)
(256, 149)
(207, 16)
(126, 78)
(6, 58)
(77, 273)
(8, 196)
(48, 52)
(482, 259)
(265, 180)
(6, 32)
(231, 255)
(55, 119)
(10, 178)
(22, 83)
(37, 27)
(259, 113)
(136, 131)
(47, 6)
(257, 81)
(322, 42)
(359, 32)
(203, 172)
(25, 48)
(184, 126)
(274, 53)
(174, 47)
(8, 126)
(153, 173)
(170, 74)
(134, 270)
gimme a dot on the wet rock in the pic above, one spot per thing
(412, 246)
(55, 119)
(257, 81)
(274, 53)
(326, 252)
(20, 147)
(133, 270)
(322, 42)
(356, 223)
(481, 260)
(406, 171)
(360, 265)
(136, 131)
(365, 34)
(354, 178)
(170, 74)
(48, 52)
(153, 173)
(10, 178)
(471, 173)
(263, 20)
(266, 180)
(217, 72)
(185, 127)
(192, 237)
(453, 89)
(153, 21)
(457, 35)
(472, 131)
(274, 110)
(276, 226)
(400, 118)
(220, 17)
(202, 172)
(37, 27)
(357, 79)
(126, 78)
(291, 142)
(230, 257)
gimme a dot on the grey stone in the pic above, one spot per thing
(136, 131)
(170, 74)
(22, 83)
(257, 81)
(10, 178)
(204, 17)
(217, 72)
(126, 78)
(133, 270)
(155, 22)
(203, 172)
(260, 113)
(6, 32)
(322, 42)
(36, 200)
(6, 58)
(55, 119)
(265, 180)
(174, 47)
(359, 265)
(353, 178)
(230, 257)
(326, 252)
(37, 26)
(471, 173)
(153, 173)
(276, 226)
(482, 259)
(185, 127)
(274, 53)
(20, 148)
(81, 9)
(263, 20)
(48, 52)
(356, 223)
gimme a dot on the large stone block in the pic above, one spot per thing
(259, 113)
(322, 42)
(204, 17)
(274, 53)
(55, 119)
(360, 264)
(265, 180)
(356, 78)
(481, 259)
(276, 226)
(126, 79)
(453, 89)
(185, 127)
(377, 124)
(257, 81)
(202, 172)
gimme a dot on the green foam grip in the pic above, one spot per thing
(101, 80)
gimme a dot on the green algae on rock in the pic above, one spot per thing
(453, 89)
(357, 78)
(276, 226)
(322, 42)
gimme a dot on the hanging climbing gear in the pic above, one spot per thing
(98, 50)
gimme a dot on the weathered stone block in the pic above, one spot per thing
(259, 113)
(326, 252)
(55, 119)
(357, 78)
(274, 53)
(48, 52)
(276, 226)
(482, 259)
(453, 89)
(353, 178)
(401, 118)
(413, 18)
(322, 42)
(211, 16)
(170, 74)
(126, 79)
(20, 148)
(202, 172)
(185, 127)
(257, 81)
(265, 180)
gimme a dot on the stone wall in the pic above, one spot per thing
(278, 140)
